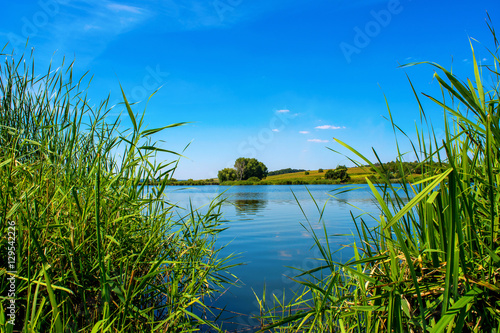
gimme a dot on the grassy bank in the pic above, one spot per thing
(89, 247)
(433, 262)
(358, 175)
(85, 247)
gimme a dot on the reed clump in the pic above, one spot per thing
(95, 248)
(432, 263)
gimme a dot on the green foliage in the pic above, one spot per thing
(320, 170)
(339, 173)
(240, 166)
(254, 168)
(432, 262)
(253, 179)
(398, 169)
(226, 174)
(306, 173)
(246, 168)
(283, 171)
(96, 250)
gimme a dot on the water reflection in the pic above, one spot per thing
(269, 231)
(248, 206)
(248, 203)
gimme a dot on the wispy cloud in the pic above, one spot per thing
(329, 127)
(282, 111)
(317, 140)
(87, 27)
(275, 130)
(116, 7)
(304, 132)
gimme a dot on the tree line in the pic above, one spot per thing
(398, 169)
(283, 171)
(244, 168)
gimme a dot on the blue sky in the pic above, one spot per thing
(275, 80)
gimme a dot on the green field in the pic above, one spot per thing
(87, 247)
(356, 174)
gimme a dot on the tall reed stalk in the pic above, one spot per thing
(96, 250)
(432, 264)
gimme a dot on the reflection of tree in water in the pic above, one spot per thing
(249, 206)
(248, 203)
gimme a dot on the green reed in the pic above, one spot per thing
(97, 250)
(432, 264)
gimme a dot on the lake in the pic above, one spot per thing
(266, 227)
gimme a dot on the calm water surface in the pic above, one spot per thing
(265, 228)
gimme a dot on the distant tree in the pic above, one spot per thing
(227, 174)
(249, 167)
(244, 168)
(306, 173)
(240, 165)
(283, 171)
(320, 170)
(255, 168)
(339, 173)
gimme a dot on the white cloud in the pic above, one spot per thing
(282, 111)
(329, 127)
(317, 140)
(275, 130)
(484, 59)
(86, 27)
(304, 132)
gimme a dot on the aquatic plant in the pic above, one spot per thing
(91, 247)
(433, 262)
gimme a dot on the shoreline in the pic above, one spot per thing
(272, 183)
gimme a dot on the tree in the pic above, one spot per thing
(329, 174)
(283, 171)
(320, 170)
(226, 174)
(244, 168)
(255, 168)
(249, 167)
(240, 166)
(339, 173)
